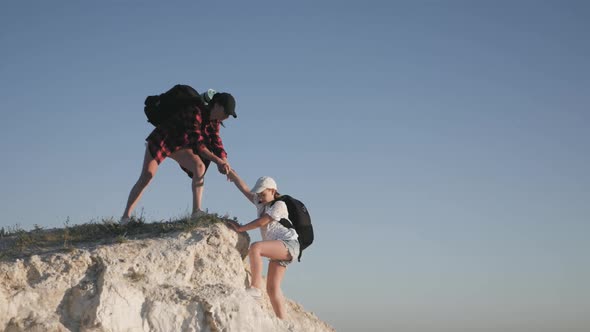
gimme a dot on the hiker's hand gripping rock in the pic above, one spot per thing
(234, 225)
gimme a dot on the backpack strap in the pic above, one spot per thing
(285, 222)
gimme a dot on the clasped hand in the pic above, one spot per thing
(224, 168)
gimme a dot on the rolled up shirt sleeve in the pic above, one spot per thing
(278, 211)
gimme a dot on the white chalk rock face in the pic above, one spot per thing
(184, 281)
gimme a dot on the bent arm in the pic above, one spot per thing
(265, 219)
(206, 153)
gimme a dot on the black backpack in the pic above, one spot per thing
(301, 221)
(161, 107)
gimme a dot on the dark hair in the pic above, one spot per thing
(277, 195)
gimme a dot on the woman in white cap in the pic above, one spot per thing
(279, 243)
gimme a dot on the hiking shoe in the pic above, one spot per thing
(198, 214)
(255, 293)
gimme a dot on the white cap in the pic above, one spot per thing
(265, 182)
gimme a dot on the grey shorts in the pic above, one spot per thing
(293, 248)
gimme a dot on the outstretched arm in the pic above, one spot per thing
(222, 163)
(240, 184)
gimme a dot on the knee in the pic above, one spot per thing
(255, 249)
(198, 174)
(199, 167)
(198, 181)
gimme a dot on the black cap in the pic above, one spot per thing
(227, 101)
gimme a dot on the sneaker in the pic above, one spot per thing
(198, 214)
(254, 292)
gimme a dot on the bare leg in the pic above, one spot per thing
(187, 159)
(271, 249)
(276, 272)
(148, 171)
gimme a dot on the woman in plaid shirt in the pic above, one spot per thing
(191, 137)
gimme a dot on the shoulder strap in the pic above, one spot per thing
(285, 222)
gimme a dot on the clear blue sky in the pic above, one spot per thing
(442, 147)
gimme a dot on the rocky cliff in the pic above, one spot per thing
(184, 280)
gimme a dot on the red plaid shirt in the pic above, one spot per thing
(188, 128)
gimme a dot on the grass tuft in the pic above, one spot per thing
(18, 243)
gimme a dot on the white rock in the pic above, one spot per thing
(191, 281)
